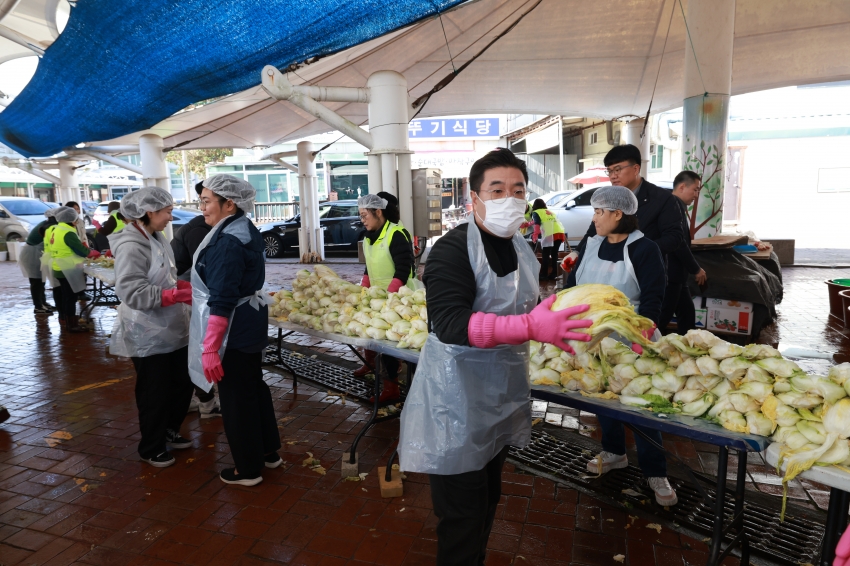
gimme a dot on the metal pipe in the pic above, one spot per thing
(405, 191)
(334, 93)
(111, 148)
(22, 40)
(282, 163)
(279, 87)
(28, 167)
(108, 158)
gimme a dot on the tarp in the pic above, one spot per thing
(120, 67)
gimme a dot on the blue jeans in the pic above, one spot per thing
(652, 460)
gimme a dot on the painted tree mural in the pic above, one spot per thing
(707, 162)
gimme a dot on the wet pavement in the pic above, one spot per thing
(72, 489)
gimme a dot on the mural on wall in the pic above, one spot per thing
(704, 153)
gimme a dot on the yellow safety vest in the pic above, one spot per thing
(119, 224)
(54, 243)
(527, 230)
(549, 223)
(379, 260)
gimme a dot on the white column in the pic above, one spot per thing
(405, 191)
(310, 237)
(68, 187)
(389, 182)
(154, 169)
(375, 185)
(708, 84)
(630, 133)
(187, 179)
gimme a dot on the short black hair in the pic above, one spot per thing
(688, 177)
(72, 204)
(145, 219)
(199, 187)
(113, 206)
(499, 157)
(538, 204)
(621, 153)
(627, 224)
(391, 211)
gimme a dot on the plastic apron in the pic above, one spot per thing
(70, 265)
(619, 274)
(465, 403)
(29, 260)
(200, 302)
(143, 333)
(549, 226)
(379, 261)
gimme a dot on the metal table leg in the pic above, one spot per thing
(836, 522)
(375, 406)
(719, 501)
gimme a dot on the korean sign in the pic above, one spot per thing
(476, 127)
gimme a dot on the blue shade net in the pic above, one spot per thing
(123, 66)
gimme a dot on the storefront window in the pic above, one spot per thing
(260, 182)
(350, 186)
(279, 187)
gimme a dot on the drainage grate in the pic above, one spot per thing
(794, 541)
(322, 373)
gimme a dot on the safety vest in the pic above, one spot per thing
(549, 223)
(527, 230)
(379, 260)
(119, 224)
(54, 243)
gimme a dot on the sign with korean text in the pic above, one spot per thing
(474, 127)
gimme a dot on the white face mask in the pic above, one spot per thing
(504, 218)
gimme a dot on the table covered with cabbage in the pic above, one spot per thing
(748, 389)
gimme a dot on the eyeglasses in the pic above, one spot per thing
(615, 170)
(501, 195)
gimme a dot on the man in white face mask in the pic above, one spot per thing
(469, 400)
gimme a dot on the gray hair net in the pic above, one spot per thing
(372, 201)
(615, 198)
(147, 199)
(51, 212)
(227, 186)
(65, 214)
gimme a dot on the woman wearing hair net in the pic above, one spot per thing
(389, 265)
(619, 255)
(229, 329)
(63, 256)
(30, 263)
(152, 326)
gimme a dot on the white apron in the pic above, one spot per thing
(465, 403)
(71, 267)
(619, 274)
(29, 260)
(201, 308)
(143, 333)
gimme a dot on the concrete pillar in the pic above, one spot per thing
(311, 240)
(154, 169)
(708, 85)
(630, 134)
(68, 188)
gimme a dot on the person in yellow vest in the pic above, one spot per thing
(115, 223)
(550, 232)
(525, 227)
(389, 265)
(64, 253)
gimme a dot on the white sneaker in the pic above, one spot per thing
(193, 404)
(665, 495)
(209, 409)
(604, 462)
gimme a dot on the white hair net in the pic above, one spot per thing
(146, 199)
(227, 186)
(372, 201)
(66, 214)
(51, 212)
(615, 198)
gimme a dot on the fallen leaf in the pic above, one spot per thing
(78, 481)
(655, 526)
(535, 421)
(402, 509)
(292, 442)
(84, 488)
(352, 478)
(627, 526)
(631, 492)
(520, 557)
(364, 489)
(592, 517)
(211, 446)
(609, 520)
(621, 558)
(189, 460)
(372, 530)
(103, 474)
(363, 476)
(632, 519)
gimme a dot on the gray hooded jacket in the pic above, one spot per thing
(132, 253)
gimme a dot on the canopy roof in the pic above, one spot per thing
(570, 57)
(29, 22)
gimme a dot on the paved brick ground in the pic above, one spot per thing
(73, 491)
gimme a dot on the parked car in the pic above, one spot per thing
(89, 207)
(551, 199)
(340, 222)
(19, 215)
(101, 213)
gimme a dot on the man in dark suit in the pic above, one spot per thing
(681, 263)
(659, 212)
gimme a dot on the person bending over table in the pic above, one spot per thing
(550, 232)
(30, 263)
(469, 400)
(620, 255)
(389, 265)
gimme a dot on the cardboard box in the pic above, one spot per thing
(724, 315)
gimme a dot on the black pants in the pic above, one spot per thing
(67, 302)
(247, 411)
(466, 504)
(549, 260)
(677, 300)
(163, 392)
(37, 293)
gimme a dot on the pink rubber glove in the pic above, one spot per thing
(487, 330)
(536, 233)
(524, 225)
(394, 285)
(842, 551)
(637, 348)
(184, 285)
(173, 296)
(107, 253)
(365, 282)
(216, 328)
(94, 254)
